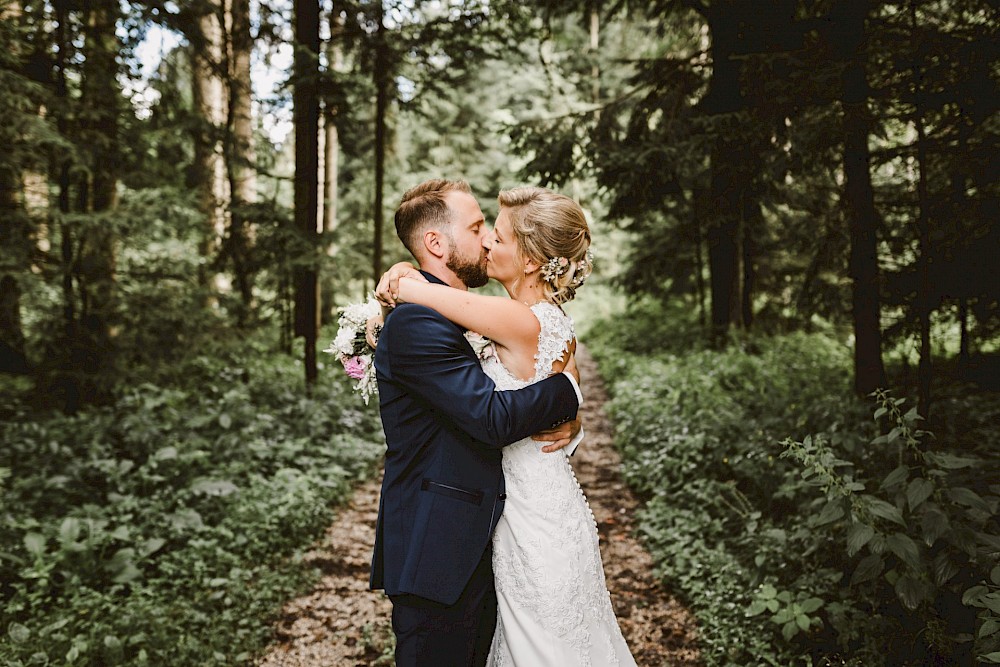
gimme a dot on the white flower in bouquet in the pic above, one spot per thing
(481, 345)
(352, 348)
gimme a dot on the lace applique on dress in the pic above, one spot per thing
(553, 603)
(557, 332)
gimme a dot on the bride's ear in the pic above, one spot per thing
(530, 266)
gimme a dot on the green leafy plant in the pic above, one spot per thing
(165, 527)
(790, 611)
(918, 533)
(839, 517)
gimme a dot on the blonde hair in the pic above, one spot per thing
(550, 227)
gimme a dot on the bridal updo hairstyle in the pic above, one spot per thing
(552, 230)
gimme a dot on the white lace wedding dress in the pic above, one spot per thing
(554, 607)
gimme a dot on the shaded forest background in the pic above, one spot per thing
(769, 182)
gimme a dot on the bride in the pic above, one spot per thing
(553, 604)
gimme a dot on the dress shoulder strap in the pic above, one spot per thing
(556, 333)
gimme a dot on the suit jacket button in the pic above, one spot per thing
(502, 496)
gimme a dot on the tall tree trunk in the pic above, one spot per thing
(68, 385)
(12, 357)
(963, 320)
(729, 182)
(306, 120)
(14, 234)
(722, 236)
(924, 299)
(595, 45)
(331, 161)
(382, 78)
(859, 200)
(960, 206)
(16, 226)
(240, 157)
(331, 172)
(698, 203)
(752, 224)
(207, 175)
(331, 143)
(62, 168)
(100, 109)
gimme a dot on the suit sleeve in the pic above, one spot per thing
(429, 358)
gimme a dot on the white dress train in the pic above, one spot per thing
(554, 609)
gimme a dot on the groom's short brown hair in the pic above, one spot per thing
(422, 207)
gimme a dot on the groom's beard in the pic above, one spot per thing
(471, 272)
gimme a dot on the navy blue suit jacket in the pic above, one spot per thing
(445, 426)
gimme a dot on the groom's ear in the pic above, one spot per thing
(434, 243)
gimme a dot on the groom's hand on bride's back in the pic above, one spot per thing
(560, 436)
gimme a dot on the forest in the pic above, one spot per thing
(795, 305)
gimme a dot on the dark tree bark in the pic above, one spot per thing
(66, 384)
(728, 180)
(738, 30)
(12, 357)
(963, 320)
(924, 298)
(306, 121)
(240, 154)
(100, 102)
(753, 223)
(62, 168)
(698, 206)
(859, 200)
(15, 235)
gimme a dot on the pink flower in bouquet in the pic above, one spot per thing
(354, 367)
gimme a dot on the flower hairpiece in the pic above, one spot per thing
(583, 268)
(557, 266)
(553, 268)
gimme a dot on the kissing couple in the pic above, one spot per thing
(485, 543)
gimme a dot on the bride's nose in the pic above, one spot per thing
(488, 240)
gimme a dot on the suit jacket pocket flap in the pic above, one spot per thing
(450, 490)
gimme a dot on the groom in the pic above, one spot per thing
(445, 425)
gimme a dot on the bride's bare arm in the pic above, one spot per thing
(503, 320)
(506, 322)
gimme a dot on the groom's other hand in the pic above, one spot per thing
(561, 436)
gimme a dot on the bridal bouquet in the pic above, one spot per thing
(481, 345)
(353, 349)
(352, 346)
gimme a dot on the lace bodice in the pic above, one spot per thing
(554, 338)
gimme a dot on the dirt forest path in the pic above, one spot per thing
(342, 623)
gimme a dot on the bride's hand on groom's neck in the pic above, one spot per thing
(387, 290)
